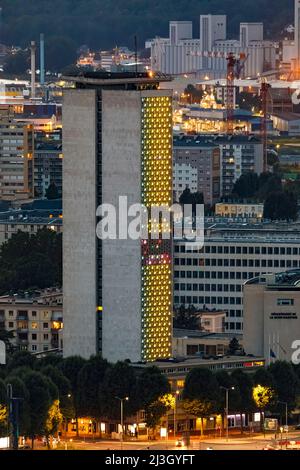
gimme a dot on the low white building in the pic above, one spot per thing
(251, 210)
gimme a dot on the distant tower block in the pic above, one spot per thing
(42, 60)
(33, 49)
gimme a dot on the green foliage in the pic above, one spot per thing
(281, 205)
(246, 186)
(64, 390)
(119, 381)
(7, 337)
(286, 382)
(249, 101)
(52, 192)
(22, 359)
(39, 402)
(150, 386)
(71, 367)
(3, 409)
(202, 389)
(187, 197)
(196, 93)
(234, 346)
(186, 318)
(31, 261)
(120, 20)
(154, 412)
(90, 379)
(19, 390)
(17, 63)
(243, 387)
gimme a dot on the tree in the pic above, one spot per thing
(249, 101)
(153, 414)
(17, 63)
(60, 52)
(243, 387)
(246, 186)
(263, 392)
(90, 379)
(31, 261)
(195, 94)
(71, 367)
(267, 184)
(54, 419)
(151, 384)
(186, 318)
(52, 192)
(286, 383)
(119, 381)
(64, 390)
(39, 402)
(201, 393)
(234, 346)
(281, 206)
(7, 337)
(3, 409)
(19, 390)
(22, 359)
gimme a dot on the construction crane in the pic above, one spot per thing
(235, 66)
(264, 135)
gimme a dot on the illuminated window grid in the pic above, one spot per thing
(156, 312)
(157, 151)
(157, 191)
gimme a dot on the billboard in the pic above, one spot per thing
(271, 424)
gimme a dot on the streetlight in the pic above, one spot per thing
(227, 407)
(286, 417)
(122, 413)
(175, 406)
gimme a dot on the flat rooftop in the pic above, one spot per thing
(289, 279)
(181, 333)
(111, 79)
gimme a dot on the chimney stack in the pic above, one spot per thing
(33, 49)
(42, 59)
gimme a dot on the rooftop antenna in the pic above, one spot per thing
(136, 54)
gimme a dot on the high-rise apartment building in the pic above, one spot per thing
(117, 141)
(212, 29)
(251, 32)
(197, 166)
(16, 157)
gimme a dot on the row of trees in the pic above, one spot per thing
(31, 261)
(77, 21)
(280, 201)
(55, 390)
(280, 382)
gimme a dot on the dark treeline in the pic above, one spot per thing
(100, 24)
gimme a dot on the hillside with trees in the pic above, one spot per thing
(100, 24)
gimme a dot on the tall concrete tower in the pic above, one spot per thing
(117, 142)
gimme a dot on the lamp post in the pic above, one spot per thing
(122, 414)
(286, 417)
(175, 411)
(227, 407)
